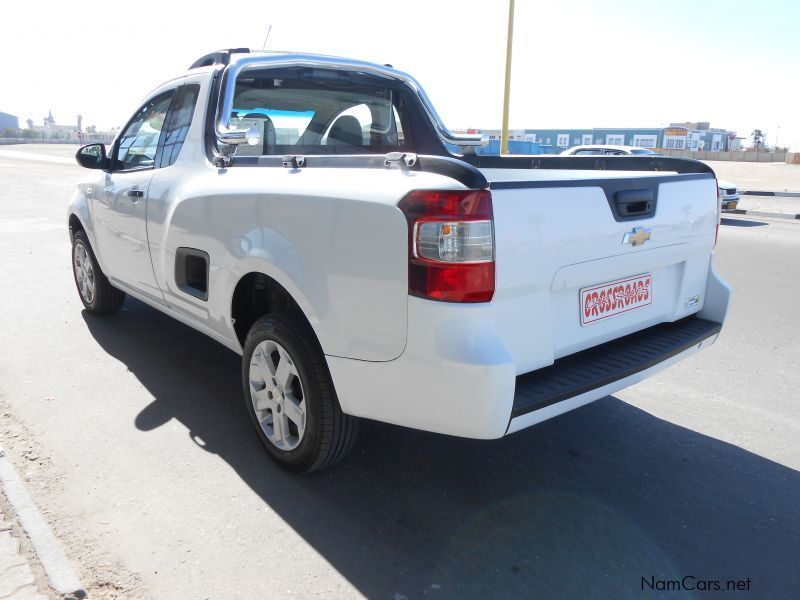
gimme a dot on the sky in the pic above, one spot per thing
(576, 63)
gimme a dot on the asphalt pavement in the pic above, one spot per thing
(131, 435)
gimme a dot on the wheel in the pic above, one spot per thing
(97, 294)
(290, 397)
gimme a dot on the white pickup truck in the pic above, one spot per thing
(305, 212)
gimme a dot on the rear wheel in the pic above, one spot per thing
(289, 395)
(99, 297)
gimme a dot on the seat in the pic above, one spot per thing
(265, 126)
(346, 130)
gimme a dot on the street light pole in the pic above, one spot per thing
(506, 94)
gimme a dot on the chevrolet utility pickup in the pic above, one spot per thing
(310, 213)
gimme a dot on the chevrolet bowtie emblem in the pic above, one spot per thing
(636, 236)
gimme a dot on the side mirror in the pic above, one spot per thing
(234, 137)
(92, 156)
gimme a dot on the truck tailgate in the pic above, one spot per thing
(567, 275)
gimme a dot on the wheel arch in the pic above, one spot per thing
(78, 219)
(75, 223)
(255, 295)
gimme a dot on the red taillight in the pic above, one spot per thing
(450, 244)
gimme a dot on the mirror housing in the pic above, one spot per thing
(230, 139)
(92, 156)
(234, 137)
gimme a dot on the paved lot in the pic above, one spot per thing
(771, 177)
(130, 434)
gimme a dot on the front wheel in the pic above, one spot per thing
(290, 397)
(99, 297)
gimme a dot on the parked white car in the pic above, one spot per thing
(728, 194)
(361, 270)
(608, 150)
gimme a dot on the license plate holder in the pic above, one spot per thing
(605, 300)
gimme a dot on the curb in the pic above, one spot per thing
(51, 556)
(782, 194)
(759, 213)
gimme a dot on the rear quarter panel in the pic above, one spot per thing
(334, 238)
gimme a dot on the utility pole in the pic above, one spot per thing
(506, 94)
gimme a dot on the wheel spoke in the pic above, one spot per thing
(279, 427)
(294, 413)
(261, 400)
(285, 371)
(263, 364)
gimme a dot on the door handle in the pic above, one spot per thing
(135, 193)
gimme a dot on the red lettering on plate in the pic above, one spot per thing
(615, 298)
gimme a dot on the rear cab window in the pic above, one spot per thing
(318, 111)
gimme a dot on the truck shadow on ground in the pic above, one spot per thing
(584, 505)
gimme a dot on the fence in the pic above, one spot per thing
(729, 156)
(86, 138)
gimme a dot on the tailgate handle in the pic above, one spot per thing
(634, 203)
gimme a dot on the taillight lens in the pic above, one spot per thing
(450, 244)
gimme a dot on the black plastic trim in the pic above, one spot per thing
(624, 182)
(187, 282)
(601, 365)
(589, 163)
(220, 57)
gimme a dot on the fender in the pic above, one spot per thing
(79, 208)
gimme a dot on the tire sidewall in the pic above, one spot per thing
(282, 331)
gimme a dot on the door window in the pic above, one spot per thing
(179, 121)
(138, 144)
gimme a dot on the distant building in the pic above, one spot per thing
(689, 136)
(8, 121)
(50, 130)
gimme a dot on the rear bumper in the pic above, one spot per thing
(456, 377)
(594, 373)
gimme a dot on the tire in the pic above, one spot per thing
(284, 375)
(99, 297)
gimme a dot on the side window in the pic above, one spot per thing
(179, 121)
(139, 142)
